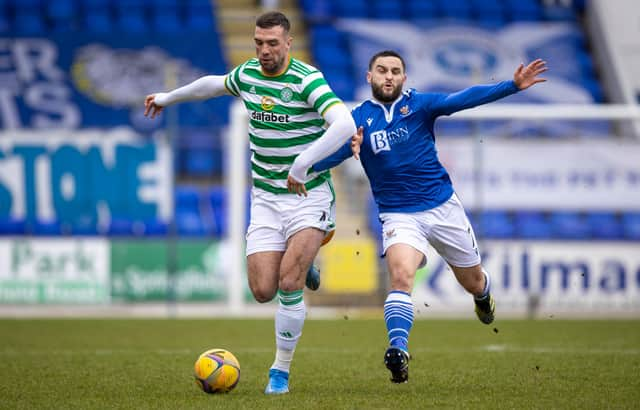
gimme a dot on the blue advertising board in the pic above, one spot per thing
(100, 80)
(86, 176)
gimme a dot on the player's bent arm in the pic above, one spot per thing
(334, 159)
(341, 128)
(447, 104)
(205, 87)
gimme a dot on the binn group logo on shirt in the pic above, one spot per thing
(379, 141)
(383, 140)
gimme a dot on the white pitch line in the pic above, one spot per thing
(261, 350)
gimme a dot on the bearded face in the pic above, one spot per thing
(387, 78)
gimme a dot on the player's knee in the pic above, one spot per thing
(402, 279)
(262, 295)
(288, 284)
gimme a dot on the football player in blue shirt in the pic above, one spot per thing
(413, 191)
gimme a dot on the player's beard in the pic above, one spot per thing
(379, 94)
(273, 67)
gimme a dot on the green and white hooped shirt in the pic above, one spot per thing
(285, 117)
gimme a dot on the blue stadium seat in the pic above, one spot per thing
(29, 23)
(167, 22)
(5, 18)
(325, 33)
(631, 225)
(525, 10)
(386, 10)
(351, 9)
(488, 9)
(217, 197)
(604, 225)
(27, 5)
(331, 56)
(495, 224)
(97, 20)
(62, 11)
(155, 227)
(422, 10)
(569, 225)
(96, 4)
(532, 225)
(342, 84)
(595, 89)
(123, 226)
(173, 5)
(200, 20)
(119, 226)
(84, 228)
(199, 162)
(10, 226)
(46, 228)
(317, 11)
(456, 9)
(189, 224)
(559, 13)
(130, 16)
(132, 23)
(492, 22)
(187, 199)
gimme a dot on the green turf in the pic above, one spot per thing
(147, 364)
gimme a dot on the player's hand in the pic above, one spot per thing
(296, 187)
(525, 77)
(356, 141)
(150, 106)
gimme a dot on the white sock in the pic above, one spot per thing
(487, 286)
(289, 321)
(283, 360)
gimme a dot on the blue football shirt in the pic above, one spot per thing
(398, 150)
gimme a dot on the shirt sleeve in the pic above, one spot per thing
(204, 87)
(343, 153)
(232, 81)
(341, 128)
(317, 92)
(447, 104)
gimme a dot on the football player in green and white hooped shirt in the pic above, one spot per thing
(292, 209)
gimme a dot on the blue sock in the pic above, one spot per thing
(398, 315)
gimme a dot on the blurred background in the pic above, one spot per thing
(103, 211)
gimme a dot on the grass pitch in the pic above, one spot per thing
(148, 364)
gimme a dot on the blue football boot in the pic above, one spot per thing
(278, 382)
(397, 361)
(313, 278)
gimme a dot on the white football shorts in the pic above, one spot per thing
(445, 227)
(275, 218)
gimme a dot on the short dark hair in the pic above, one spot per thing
(273, 19)
(386, 53)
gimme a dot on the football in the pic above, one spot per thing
(217, 371)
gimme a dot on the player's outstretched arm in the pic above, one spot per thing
(525, 77)
(205, 87)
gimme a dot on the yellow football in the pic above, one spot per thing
(217, 371)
